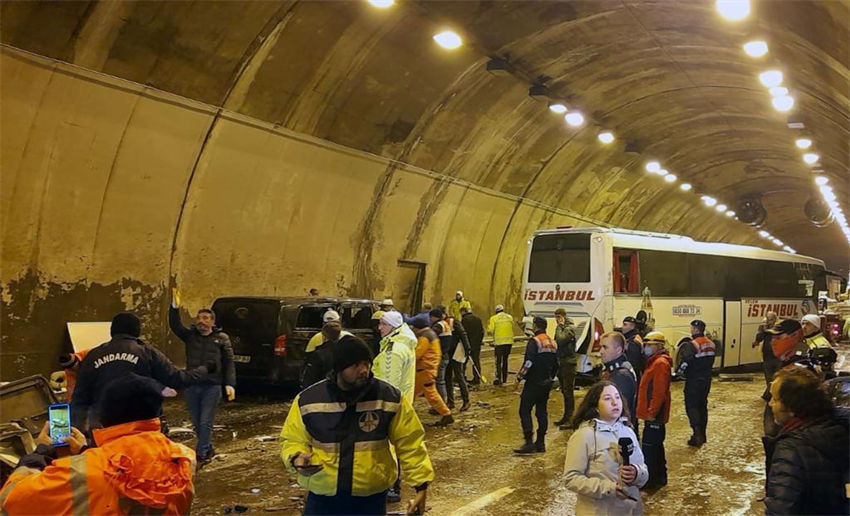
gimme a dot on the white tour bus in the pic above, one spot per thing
(601, 275)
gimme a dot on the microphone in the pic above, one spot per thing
(626, 449)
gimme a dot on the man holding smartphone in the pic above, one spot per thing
(339, 435)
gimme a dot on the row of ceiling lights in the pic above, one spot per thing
(782, 101)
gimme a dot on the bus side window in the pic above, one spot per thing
(626, 271)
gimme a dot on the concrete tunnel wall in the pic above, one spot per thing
(112, 193)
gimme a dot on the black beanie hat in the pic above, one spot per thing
(420, 323)
(436, 313)
(130, 398)
(350, 350)
(126, 323)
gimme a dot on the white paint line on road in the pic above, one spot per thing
(480, 503)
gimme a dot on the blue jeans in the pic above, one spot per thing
(202, 401)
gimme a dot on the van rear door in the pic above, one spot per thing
(252, 324)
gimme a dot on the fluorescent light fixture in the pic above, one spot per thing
(755, 48)
(730, 213)
(382, 4)
(811, 158)
(778, 91)
(574, 118)
(652, 166)
(606, 137)
(670, 178)
(709, 201)
(733, 10)
(721, 207)
(764, 234)
(783, 104)
(448, 39)
(557, 107)
(803, 143)
(771, 78)
(821, 180)
(685, 187)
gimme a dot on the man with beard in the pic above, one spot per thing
(339, 436)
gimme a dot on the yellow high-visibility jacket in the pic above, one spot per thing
(455, 306)
(818, 340)
(353, 440)
(396, 361)
(318, 339)
(501, 326)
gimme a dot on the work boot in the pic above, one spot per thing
(540, 445)
(433, 411)
(497, 382)
(702, 438)
(465, 406)
(694, 440)
(393, 496)
(560, 421)
(528, 447)
(450, 404)
(445, 421)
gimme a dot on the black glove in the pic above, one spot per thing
(39, 459)
(211, 366)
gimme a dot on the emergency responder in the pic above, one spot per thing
(428, 356)
(329, 317)
(319, 362)
(634, 345)
(653, 406)
(374, 341)
(456, 304)
(501, 327)
(340, 434)
(204, 343)
(443, 330)
(125, 353)
(697, 361)
(387, 305)
(475, 333)
(770, 362)
(134, 469)
(458, 356)
(565, 338)
(812, 334)
(618, 369)
(70, 364)
(538, 370)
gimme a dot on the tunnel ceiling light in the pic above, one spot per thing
(803, 143)
(764, 234)
(685, 187)
(733, 10)
(756, 48)
(661, 172)
(652, 166)
(709, 201)
(606, 137)
(574, 118)
(778, 91)
(771, 78)
(670, 178)
(721, 207)
(730, 213)
(783, 104)
(811, 158)
(821, 180)
(382, 4)
(557, 107)
(448, 39)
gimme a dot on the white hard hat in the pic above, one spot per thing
(330, 316)
(812, 319)
(387, 302)
(459, 293)
(500, 308)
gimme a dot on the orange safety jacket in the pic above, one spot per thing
(134, 470)
(428, 356)
(653, 403)
(71, 373)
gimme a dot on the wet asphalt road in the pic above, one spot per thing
(473, 458)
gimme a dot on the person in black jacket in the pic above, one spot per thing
(619, 370)
(770, 362)
(809, 460)
(634, 345)
(125, 353)
(205, 343)
(475, 333)
(565, 337)
(321, 361)
(538, 371)
(697, 361)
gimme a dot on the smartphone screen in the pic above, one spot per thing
(59, 416)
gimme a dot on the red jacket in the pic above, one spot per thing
(654, 392)
(135, 470)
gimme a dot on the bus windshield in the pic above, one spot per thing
(560, 258)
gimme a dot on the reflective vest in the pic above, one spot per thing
(134, 470)
(703, 347)
(455, 306)
(818, 340)
(396, 362)
(501, 326)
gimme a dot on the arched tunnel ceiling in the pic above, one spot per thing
(668, 75)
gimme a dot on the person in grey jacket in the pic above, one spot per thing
(205, 343)
(594, 468)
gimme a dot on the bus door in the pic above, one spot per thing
(731, 334)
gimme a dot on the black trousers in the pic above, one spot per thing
(346, 504)
(502, 353)
(567, 379)
(454, 374)
(475, 355)
(652, 444)
(696, 402)
(534, 397)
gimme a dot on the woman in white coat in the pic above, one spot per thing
(594, 467)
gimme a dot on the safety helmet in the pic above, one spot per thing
(655, 337)
(377, 314)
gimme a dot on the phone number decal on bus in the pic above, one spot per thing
(786, 310)
(687, 310)
(559, 295)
